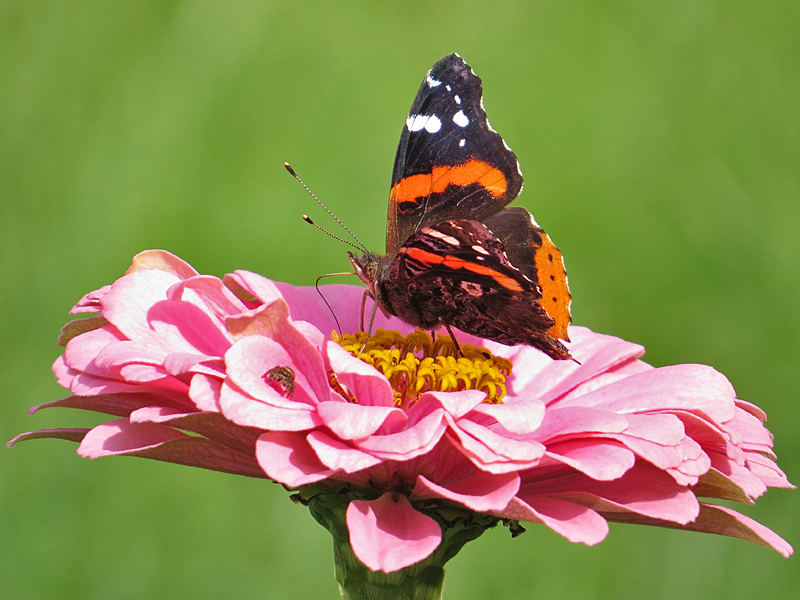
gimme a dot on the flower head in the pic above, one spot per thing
(407, 440)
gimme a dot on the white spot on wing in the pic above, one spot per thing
(447, 239)
(457, 98)
(480, 250)
(448, 88)
(533, 221)
(461, 119)
(433, 125)
(432, 82)
(430, 123)
(461, 142)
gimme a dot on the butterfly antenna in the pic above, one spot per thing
(360, 246)
(307, 219)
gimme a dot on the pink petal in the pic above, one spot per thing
(119, 405)
(150, 440)
(694, 388)
(494, 452)
(363, 381)
(137, 305)
(767, 471)
(69, 434)
(162, 261)
(456, 404)
(78, 327)
(180, 363)
(576, 523)
(720, 520)
(288, 458)
(120, 437)
(353, 421)
(117, 354)
(387, 534)
(252, 357)
(603, 460)
(417, 439)
(339, 456)
(478, 491)
(209, 292)
(205, 391)
(82, 350)
(90, 302)
(272, 321)
(597, 353)
(210, 425)
(644, 489)
(574, 421)
(242, 409)
(521, 417)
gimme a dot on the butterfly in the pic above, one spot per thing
(455, 256)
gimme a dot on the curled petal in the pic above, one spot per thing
(353, 421)
(339, 456)
(720, 520)
(482, 492)
(162, 260)
(388, 534)
(150, 440)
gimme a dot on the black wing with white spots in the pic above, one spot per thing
(450, 163)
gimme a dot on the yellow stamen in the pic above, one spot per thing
(416, 363)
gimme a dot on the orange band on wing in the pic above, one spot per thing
(411, 188)
(430, 259)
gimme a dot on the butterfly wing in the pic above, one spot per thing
(450, 163)
(532, 251)
(458, 273)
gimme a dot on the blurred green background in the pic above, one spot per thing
(661, 148)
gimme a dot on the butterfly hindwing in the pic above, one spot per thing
(450, 163)
(457, 272)
(532, 251)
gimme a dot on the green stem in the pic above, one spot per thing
(421, 581)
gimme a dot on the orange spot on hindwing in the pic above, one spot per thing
(552, 277)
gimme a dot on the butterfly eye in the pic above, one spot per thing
(371, 270)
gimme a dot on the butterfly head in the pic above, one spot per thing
(366, 268)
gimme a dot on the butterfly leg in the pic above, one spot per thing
(459, 353)
(363, 306)
(371, 320)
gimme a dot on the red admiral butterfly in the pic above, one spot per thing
(454, 255)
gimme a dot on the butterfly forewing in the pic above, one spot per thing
(450, 163)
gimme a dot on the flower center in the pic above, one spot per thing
(417, 363)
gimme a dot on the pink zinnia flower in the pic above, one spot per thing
(393, 460)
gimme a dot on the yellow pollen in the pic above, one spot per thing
(416, 363)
